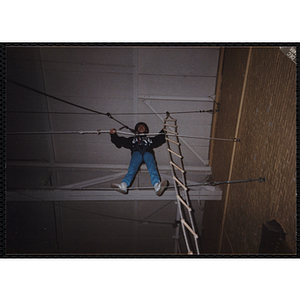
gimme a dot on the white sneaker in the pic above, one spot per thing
(122, 188)
(161, 187)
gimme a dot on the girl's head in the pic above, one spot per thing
(141, 127)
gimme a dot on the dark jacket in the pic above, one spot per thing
(139, 142)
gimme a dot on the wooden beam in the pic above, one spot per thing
(234, 148)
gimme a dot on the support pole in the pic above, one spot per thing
(234, 149)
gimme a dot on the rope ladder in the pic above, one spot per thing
(184, 210)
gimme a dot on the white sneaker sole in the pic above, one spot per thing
(163, 186)
(116, 186)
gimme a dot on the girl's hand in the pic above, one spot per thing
(113, 131)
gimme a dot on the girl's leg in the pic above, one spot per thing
(135, 162)
(151, 165)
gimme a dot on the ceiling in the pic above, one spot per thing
(68, 91)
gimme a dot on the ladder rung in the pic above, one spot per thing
(170, 120)
(170, 131)
(173, 164)
(183, 202)
(171, 125)
(189, 228)
(180, 183)
(173, 141)
(178, 155)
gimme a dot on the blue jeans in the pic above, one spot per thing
(136, 160)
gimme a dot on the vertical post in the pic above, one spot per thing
(233, 150)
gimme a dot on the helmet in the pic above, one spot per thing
(141, 123)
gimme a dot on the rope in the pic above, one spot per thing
(92, 110)
(53, 97)
(106, 114)
(118, 131)
(70, 103)
(115, 114)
